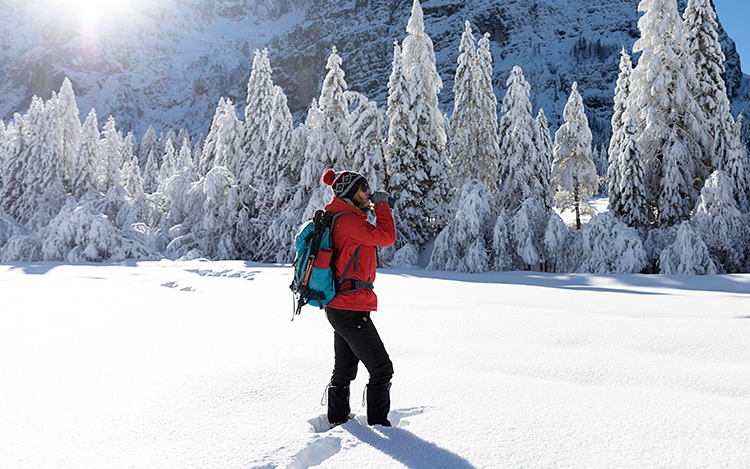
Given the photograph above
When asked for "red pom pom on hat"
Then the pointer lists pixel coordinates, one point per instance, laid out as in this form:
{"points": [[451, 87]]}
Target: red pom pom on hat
{"points": [[329, 177]]}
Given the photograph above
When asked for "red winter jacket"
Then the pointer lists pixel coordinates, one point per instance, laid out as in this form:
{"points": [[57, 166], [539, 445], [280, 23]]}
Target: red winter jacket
{"points": [[349, 231]]}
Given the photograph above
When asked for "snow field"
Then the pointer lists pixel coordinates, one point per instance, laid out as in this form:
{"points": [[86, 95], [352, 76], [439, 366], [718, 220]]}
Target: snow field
{"points": [[195, 364]]}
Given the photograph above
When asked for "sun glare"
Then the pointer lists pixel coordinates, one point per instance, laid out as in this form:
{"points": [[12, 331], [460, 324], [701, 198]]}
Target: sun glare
{"points": [[87, 11], [91, 15]]}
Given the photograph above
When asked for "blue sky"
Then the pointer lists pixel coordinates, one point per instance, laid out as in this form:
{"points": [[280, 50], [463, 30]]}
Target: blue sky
{"points": [[735, 17]]}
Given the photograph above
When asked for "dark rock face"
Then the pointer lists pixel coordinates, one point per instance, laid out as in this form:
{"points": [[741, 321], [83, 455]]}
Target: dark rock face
{"points": [[169, 64]]}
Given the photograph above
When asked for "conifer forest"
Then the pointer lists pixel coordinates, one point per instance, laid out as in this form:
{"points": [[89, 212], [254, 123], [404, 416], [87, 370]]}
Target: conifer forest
{"points": [[480, 188]]}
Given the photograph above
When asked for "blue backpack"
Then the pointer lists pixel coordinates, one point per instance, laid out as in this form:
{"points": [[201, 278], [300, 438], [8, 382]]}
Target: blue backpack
{"points": [[314, 281]]}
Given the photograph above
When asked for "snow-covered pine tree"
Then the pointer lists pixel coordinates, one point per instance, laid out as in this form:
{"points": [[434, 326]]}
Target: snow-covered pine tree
{"points": [[464, 121], [168, 163], [622, 94], [110, 152], [488, 142], [503, 250], [3, 143], [279, 174], [131, 177], [745, 132], [25, 163], [721, 225], [211, 145], [130, 149], [333, 105], [736, 167], [184, 157], [632, 192], [688, 255], [400, 136], [573, 172], [267, 174], [657, 240], [39, 185], [555, 240], [149, 142], [545, 152], [86, 171], [474, 143], [229, 148], [188, 237], [676, 181], [170, 135], [400, 179], [464, 244], [279, 151], [4, 148], [421, 181], [198, 150], [289, 198], [220, 219], [133, 180], [317, 157], [528, 229], [711, 92], [50, 182], [611, 247], [518, 153], [151, 173], [260, 95], [274, 171], [11, 177], [175, 190], [182, 135], [365, 138], [671, 118], [70, 126]]}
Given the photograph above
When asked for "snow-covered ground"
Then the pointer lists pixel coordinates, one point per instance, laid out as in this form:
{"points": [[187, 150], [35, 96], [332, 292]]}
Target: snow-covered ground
{"points": [[196, 364]]}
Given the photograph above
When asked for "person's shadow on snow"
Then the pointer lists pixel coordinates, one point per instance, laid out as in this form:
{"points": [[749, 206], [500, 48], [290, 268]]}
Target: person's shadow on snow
{"points": [[407, 448]]}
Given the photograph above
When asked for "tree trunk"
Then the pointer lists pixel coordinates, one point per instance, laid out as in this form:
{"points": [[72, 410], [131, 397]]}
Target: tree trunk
{"points": [[576, 202]]}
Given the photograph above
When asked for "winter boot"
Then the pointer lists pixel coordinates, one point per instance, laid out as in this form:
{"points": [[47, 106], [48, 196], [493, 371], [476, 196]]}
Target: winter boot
{"points": [[338, 404], [378, 404]]}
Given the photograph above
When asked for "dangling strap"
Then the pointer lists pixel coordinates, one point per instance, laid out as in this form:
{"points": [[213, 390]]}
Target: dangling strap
{"points": [[324, 399]]}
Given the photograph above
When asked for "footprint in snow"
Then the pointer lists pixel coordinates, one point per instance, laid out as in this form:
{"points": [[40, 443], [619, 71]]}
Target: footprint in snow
{"points": [[397, 417], [228, 273], [315, 452], [175, 285]]}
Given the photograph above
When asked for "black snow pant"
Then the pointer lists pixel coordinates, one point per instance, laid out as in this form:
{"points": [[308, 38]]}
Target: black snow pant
{"points": [[355, 340]]}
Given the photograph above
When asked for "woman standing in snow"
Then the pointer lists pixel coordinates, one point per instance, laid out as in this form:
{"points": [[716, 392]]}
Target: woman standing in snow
{"points": [[355, 337]]}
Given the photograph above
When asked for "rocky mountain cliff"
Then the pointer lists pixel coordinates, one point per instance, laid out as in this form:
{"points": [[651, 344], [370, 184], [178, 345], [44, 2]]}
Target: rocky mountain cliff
{"points": [[167, 63]]}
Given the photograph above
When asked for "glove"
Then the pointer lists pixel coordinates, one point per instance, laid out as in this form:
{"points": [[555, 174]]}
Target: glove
{"points": [[379, 196]]}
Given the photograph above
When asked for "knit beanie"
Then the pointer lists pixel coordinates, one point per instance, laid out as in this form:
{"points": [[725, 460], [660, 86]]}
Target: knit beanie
{"points": [[344, 184]]}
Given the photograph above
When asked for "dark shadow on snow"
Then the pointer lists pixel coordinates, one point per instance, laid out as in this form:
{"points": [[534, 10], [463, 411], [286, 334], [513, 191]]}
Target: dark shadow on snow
{"points": [[408, 449], [42, 268], [732, 283]]}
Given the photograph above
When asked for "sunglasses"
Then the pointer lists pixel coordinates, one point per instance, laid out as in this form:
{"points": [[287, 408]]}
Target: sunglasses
{"points": [[365, 187]]}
